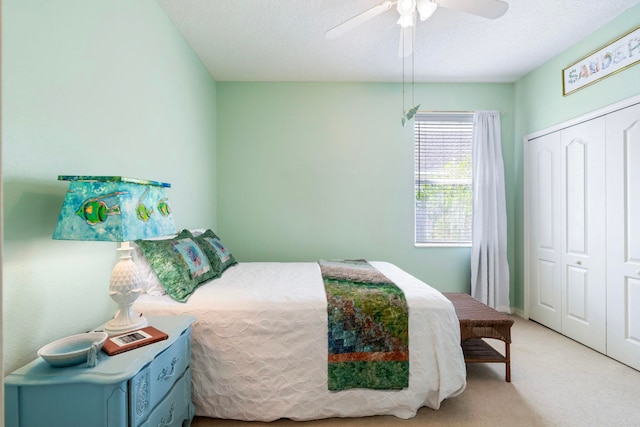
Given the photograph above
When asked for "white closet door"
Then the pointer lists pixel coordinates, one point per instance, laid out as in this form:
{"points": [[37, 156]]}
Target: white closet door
{"points": [[542, 200], [583, 233], [623, 235]]}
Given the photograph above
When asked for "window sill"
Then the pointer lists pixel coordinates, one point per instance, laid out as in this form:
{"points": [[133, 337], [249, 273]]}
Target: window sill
{"points": [[442, 245]]}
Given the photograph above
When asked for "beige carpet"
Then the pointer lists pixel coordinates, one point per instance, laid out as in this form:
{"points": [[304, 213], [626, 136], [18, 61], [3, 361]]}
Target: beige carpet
{"points": [[554, 382]]}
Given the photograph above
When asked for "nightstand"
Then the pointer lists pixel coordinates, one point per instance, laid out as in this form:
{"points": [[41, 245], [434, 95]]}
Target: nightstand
{"points": [[148, 386]]}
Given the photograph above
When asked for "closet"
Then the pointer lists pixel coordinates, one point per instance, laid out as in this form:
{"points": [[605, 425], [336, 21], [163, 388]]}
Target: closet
{"points": [[582, 230]]}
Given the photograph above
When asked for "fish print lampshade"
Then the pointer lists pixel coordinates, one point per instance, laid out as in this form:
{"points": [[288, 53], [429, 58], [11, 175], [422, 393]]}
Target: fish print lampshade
{"points": [[118, 209], [113, 208]]}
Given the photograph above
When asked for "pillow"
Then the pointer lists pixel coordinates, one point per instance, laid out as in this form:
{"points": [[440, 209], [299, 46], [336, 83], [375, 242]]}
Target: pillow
{"points": [[197, 231], [148, 279], [219, 256], [179, 264]]}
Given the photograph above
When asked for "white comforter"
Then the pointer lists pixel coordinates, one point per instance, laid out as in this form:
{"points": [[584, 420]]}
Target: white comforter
{"points": [[260, 346]]}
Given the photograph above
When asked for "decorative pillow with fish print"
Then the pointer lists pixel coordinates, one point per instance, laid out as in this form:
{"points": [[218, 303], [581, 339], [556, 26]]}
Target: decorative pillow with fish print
{"points": [[219, 256], [180, 264]]}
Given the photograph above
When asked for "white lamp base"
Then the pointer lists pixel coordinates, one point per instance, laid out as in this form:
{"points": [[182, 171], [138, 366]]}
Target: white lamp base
{"points": [[117, 325], [124, 289]]}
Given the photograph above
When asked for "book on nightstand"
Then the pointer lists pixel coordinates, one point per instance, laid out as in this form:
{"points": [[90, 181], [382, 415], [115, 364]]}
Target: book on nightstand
{"points": [[133, 339]]}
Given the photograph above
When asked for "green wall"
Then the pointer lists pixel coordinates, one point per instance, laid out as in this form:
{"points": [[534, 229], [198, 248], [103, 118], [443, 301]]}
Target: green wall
{"points": [[283, 171], [96, 88], [540, 104], [313, 170], [325, 170]]}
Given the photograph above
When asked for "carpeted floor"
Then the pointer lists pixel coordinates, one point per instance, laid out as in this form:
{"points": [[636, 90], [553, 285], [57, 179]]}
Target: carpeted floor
{"points": [[554, 382]]}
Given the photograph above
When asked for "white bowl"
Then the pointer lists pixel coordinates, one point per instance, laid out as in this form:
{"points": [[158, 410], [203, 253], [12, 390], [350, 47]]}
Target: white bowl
{"points": [[71, 350]]}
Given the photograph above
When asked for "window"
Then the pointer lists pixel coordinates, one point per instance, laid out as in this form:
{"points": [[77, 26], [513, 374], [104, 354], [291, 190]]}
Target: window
{"points": [[443, 178]]}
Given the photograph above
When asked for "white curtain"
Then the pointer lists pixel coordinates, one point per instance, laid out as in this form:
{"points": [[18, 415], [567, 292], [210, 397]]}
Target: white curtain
{"points": [[489, 264]]}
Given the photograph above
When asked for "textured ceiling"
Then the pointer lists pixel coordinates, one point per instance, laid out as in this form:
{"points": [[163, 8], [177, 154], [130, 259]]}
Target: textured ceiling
{"points": [[283, 40]]}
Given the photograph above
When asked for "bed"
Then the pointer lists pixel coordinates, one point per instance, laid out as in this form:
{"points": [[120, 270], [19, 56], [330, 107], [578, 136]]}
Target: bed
{"points": [[259, 346]]}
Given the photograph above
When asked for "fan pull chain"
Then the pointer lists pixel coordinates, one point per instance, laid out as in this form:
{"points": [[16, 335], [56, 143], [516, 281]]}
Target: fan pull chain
{"points": [[412, 79], [407, 115], [403, 104]]}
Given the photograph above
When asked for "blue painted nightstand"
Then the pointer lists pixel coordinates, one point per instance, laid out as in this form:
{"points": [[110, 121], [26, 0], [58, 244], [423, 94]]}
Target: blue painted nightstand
{"points": [[148, 386]]}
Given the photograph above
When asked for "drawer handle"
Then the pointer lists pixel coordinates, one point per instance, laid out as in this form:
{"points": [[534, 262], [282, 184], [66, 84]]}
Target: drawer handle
{"points": [[168, 371], [163, 422]]}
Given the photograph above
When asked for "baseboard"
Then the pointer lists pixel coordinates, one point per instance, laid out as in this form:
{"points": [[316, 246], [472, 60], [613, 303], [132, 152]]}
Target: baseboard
{"points": [[518, 312]]}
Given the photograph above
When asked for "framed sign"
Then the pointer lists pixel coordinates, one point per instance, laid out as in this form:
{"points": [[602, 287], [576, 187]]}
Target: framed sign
{"points": [[616, 56]]}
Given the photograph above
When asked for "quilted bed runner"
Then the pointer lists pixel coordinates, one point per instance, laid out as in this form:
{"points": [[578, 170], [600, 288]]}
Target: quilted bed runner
{"points": [[368, 327]]}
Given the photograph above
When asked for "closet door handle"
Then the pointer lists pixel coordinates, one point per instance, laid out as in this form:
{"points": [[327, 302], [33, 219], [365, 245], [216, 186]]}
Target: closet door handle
{"points": [[579, 262]]}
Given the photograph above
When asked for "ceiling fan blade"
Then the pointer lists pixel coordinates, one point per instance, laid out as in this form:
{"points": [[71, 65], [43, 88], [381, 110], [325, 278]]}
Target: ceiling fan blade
{"points": [[349, 24], [407, 37], [491, 9], [426, 8]]}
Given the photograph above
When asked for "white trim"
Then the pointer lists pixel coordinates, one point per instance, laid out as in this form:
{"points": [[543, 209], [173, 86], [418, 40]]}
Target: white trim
{"points": [[525, 223], [585, 117]]}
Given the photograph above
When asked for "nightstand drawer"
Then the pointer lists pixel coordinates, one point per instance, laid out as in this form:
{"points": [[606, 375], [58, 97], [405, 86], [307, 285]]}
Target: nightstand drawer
{"points": [[153, 382], [175, 407]]}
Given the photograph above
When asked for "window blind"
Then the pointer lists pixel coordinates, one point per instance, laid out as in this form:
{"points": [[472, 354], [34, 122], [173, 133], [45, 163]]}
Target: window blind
{"points": [[443, 178]]}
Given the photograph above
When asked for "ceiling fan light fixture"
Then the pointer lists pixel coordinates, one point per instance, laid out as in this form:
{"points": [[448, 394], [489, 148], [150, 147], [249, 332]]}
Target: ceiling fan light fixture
{"points": [[426, 8], [405, 21], [490, 9], [406, 9]]}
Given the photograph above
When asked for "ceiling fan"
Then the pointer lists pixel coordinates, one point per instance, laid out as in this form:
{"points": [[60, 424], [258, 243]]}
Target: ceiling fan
{"points": [[410, 9]]}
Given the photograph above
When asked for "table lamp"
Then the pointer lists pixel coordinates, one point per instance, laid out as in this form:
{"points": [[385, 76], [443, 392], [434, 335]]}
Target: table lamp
{"points": [[116, 209]]}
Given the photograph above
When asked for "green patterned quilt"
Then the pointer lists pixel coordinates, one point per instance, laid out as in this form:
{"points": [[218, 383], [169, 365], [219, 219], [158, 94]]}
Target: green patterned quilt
{"points": [[368, 327]]}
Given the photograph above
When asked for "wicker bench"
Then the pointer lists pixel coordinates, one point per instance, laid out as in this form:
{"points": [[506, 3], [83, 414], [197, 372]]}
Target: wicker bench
{"points": [[478, 321]]}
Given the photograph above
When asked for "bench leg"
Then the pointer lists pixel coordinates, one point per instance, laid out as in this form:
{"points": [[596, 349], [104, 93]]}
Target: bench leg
{"points": [[507, 362]]}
